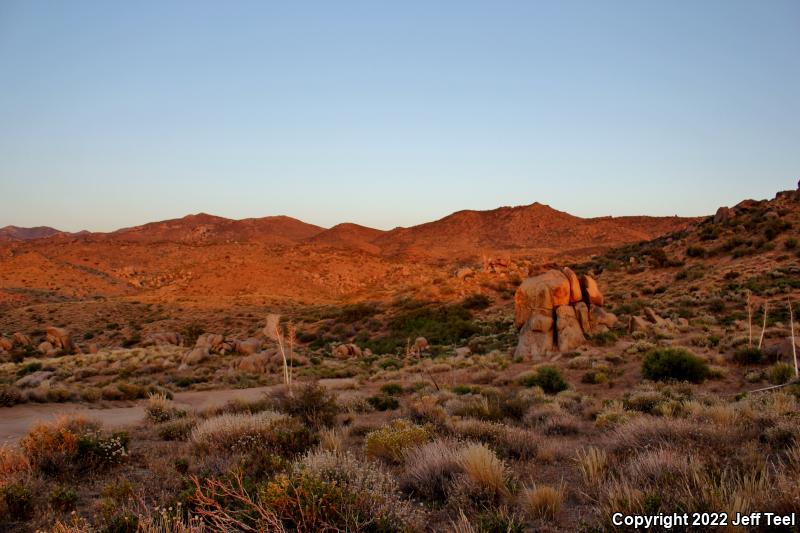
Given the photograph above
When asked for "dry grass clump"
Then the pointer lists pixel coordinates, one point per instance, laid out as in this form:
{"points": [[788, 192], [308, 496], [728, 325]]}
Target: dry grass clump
{"points": [[593, 464], [332, 440], [160, 408], [391, 442], [612, 415], [51, 446], [485, 474], [511, 441], [430, 469], [542, 501], [225, 431]]}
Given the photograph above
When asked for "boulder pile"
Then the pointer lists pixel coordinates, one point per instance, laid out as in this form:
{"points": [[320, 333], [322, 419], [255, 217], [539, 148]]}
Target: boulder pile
{"points": [[555, 309]]}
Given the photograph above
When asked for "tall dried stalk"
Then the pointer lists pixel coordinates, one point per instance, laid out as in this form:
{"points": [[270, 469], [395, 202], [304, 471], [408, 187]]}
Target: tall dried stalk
{"points": [[274, 331], [794, 347], [764, 326], [749, 321], [237, 517]]}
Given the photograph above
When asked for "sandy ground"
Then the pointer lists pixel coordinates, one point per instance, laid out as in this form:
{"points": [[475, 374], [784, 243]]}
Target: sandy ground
{"points": [[16, 421]]}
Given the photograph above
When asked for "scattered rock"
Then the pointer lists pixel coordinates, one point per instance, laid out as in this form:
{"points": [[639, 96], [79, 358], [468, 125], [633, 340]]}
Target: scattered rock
{"points": [[60, 339], [5, 344], [248, 346], [463, 351], [46, 348], [93, 348], [196, 355], [601, 320], [164, 338], [637, 323], [21, 339], [214, 342], [254, 364], [346, 351], [420, 345]]}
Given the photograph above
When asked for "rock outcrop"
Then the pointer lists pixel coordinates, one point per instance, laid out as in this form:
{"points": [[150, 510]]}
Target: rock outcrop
{"points": [[164, 338], [554, 310], [60, 339], [346, 351]]}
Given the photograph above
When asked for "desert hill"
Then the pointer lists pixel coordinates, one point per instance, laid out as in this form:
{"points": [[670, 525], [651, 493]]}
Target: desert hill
{"points": [[15, 233], [217, 261]]}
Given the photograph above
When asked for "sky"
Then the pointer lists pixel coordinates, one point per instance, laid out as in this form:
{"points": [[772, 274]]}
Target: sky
{"points": [[389, 114]]}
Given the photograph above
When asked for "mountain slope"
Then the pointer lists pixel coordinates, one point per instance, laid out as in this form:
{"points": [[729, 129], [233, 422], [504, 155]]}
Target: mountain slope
{"points": [[15, 233]]}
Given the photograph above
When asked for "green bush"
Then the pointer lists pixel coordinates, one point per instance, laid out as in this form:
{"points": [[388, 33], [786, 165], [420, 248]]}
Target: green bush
{"points": [[19, 502], [748, 356], [696, 251], [392, 389], [603, 338], [548, 378], [312, 404], [63, 498], [383, 402], [674, 363], [476, 301], [780, 373]]}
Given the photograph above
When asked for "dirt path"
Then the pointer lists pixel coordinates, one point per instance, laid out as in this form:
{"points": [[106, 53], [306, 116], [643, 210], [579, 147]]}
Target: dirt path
{"points": [[16, 421]]}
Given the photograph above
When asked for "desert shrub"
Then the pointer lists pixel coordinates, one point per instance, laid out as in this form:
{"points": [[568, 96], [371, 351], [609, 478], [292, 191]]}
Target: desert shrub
{"points": [[542, 501], [383, 402], [52, 447], [312, 404], [430, 469], [780, 373], [603, 338], [509, 441], [391, 442], [12, 463], [790, 244], [330, 491], [63, 498], [696, 251], [225, 431], [29, 368], [160, 409], [97, 451], [548, 378], [748, 356], [178, 429], [10, 395], [440, 325], [499, 520], [674, 363], [476, 301], [18, 501], [426, 409], [392, 389], [595, 376]]}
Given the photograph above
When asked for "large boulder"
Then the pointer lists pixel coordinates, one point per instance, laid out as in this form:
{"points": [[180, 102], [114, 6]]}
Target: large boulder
{"points": [[196, 355], [420, 345], [248, 346], [637, 323], [591, 291], [569, 333], [582, 312], [254, 364], [213, 341], [46, 348], [722, 215], [575, 293], [780, 349], [60, 339], [5, 344], [346, 351], [20, 339], [600, 319], [164, 338], [536, 336], [543, 292]]}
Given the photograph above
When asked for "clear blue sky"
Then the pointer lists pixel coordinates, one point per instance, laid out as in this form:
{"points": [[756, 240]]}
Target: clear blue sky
{"points": [[392, 113]]}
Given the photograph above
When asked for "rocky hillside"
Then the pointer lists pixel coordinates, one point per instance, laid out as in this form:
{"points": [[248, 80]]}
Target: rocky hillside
{"points": [[15, 233]]}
